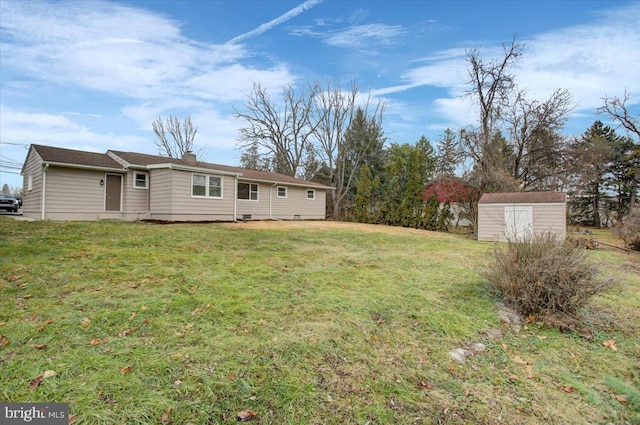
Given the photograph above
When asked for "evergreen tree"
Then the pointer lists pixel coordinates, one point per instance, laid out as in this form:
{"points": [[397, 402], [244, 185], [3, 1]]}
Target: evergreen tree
{"points": [[592, 157], [447, 158], [364, 197]]}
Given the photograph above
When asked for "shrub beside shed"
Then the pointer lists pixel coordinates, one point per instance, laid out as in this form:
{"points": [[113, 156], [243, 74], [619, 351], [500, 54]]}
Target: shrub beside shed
{"points": [[521, 215]]}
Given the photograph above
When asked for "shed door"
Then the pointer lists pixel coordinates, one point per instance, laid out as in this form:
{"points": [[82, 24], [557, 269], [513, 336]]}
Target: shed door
{"points": [[113, 192], [518, 223]]}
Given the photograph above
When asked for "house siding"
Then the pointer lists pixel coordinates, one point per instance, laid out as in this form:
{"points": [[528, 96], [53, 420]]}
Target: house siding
{"points": [[296, 205], [32, 199], [171, 198], [75, 186], [545, 218], [135, 200]]}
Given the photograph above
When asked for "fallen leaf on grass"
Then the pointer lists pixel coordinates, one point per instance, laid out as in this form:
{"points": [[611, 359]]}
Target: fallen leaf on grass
{"points": [[542, 337], [621, 399], [611, 344], [232, 376], [125, 370], [3, 340], [165, 416], [95, 341], [26, 297], [15, 277], [72, 419], [245, 416], [568, 389], [426, 385], [49, 374], [48, 321], [126, 332], [40, 346], [85, 322], [33, 317], [35, 382]]}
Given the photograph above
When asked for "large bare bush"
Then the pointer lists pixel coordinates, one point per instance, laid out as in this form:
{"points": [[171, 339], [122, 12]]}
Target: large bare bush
{"points": [[546, 277], [629, 229]]}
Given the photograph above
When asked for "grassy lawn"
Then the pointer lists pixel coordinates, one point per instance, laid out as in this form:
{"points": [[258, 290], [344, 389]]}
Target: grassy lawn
{"points": [[295, 323]]}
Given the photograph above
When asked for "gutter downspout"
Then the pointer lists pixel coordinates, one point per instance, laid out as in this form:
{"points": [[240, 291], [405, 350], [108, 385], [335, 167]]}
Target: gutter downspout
{"points": [[44, 188], [235, 199], [270, 200]]}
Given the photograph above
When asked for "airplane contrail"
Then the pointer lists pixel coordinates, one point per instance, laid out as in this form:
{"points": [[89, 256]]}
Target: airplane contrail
{"points": [[277, 21]]}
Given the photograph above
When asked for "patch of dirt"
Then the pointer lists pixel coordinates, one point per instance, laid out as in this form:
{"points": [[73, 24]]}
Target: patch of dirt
{"points": [[333, 225]]}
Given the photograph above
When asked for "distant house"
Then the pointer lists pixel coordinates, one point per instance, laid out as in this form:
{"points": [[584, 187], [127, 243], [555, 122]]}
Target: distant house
{"points": [[454, 191], [521, 215], [65, 184]]}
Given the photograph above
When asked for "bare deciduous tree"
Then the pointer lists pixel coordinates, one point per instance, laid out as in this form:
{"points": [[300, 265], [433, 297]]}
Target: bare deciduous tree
{"points": [[491, 86], [281, 132], [175, 137], [617, 109], [534, 135], [346, 132]]}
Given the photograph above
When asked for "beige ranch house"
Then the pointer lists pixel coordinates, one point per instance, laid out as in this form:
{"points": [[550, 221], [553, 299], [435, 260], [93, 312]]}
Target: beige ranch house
{"points": [[65, 184], [519, 216]]}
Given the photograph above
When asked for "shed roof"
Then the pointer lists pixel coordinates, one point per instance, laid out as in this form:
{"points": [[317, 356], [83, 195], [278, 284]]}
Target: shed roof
{"points": [[523, 198]]}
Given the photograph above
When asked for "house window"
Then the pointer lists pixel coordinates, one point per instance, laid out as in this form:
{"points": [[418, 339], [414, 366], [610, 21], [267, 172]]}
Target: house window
{"points": [[206, 186], [311, 194], [248, 191], [141, 180], [30, 181], [282, 192]]}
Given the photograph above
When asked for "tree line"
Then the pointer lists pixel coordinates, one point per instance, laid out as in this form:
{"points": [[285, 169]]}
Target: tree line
{"points": [[335, 136]]}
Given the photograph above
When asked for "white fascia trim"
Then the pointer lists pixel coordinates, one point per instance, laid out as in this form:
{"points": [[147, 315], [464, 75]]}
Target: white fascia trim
{"points": [[525, 204], [178, 167], [281, 183], [85, 167]]}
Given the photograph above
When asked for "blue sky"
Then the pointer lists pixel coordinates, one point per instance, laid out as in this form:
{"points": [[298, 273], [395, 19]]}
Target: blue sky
{"points": [[93, 75]]}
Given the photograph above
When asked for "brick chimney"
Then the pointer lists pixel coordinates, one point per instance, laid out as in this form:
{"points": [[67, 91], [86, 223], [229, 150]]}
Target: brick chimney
{"points": [[189, 157]]}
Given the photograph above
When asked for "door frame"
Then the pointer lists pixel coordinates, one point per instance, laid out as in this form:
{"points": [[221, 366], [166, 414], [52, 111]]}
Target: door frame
{"points": [[106, 186], [518, 230]]}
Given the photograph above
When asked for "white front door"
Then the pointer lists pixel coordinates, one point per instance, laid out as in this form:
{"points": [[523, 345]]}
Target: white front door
{"points": [[518, 223]]}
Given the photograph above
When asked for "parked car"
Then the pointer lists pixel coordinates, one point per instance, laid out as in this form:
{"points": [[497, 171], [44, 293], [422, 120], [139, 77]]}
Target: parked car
{"points": [[8, 202]]}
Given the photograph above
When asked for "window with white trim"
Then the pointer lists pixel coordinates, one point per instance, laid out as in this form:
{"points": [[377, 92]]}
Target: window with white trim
{"points": [[282, 192], [311, 194], [248, 191], [140, 180], [203, 186]]}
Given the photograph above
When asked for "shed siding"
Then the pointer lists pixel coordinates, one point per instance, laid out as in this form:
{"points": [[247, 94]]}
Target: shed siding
{"points": [[32, 199], [546, 218]]}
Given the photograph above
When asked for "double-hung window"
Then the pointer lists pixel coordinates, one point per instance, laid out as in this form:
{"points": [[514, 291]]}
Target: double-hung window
{"points": [[140, 180], [248, 191], [203, 186], [311, 194], [282, 192]]}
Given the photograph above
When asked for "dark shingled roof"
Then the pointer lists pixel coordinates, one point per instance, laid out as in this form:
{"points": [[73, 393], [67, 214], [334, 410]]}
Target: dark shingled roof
{"points": [[142, 159], [74, 157], [523, 198], [91, 159]]}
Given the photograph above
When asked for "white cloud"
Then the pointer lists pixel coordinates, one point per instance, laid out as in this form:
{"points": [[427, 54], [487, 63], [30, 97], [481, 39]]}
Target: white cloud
{"points": [[106, 47], [277, 21], [590, 60], [58, 130], [366, 36]]}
